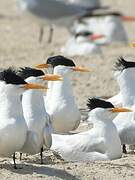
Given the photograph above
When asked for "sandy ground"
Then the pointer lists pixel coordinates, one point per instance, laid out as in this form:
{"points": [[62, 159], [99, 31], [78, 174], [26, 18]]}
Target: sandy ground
{"points": [[19, 47]]}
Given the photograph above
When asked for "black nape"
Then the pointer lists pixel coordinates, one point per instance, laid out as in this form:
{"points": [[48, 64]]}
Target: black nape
{"points": [[27, 72], [122, 64], [98, 103], [10, 77], [60, 60]]}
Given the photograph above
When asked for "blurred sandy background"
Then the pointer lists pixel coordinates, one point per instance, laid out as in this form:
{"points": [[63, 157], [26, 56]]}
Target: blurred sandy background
{"points": [[19, 47]]}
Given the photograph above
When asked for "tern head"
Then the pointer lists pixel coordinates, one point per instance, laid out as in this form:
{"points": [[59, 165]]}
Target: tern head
{"points": [[88, 36], [103, 110], [54, 61], [37, 76], [124, 69], [11, 83], [62, 64]]}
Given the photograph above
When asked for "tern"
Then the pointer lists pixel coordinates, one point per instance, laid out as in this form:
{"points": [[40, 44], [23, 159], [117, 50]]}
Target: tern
{"points": [[125, 73], [102, 142], [13, 127], [82, 43], [36, 117], [60, 102]]}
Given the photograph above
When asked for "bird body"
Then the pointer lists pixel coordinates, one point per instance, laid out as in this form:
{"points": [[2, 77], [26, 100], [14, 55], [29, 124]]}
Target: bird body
{"points": [[80, 46], [102, 142], [52, 11], [62, 107], [125, 122], [86, 3], [110, 26], [37, 120], [13, 128]]}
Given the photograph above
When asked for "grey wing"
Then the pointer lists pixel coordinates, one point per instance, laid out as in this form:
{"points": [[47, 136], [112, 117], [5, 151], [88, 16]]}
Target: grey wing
{"points": [[52, 9]]}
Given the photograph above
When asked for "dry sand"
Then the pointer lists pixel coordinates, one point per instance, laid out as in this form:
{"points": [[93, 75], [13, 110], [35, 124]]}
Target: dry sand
{"points": [[19, 47]]}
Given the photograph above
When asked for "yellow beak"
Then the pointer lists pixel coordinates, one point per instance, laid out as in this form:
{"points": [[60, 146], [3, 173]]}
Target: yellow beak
{"points": [[34, 86], [41, 66], [120, 109], [81, 69], [52, 77]]}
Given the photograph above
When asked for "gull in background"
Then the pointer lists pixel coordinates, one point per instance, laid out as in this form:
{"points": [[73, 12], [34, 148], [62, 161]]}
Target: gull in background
{"points": [[82, 43], [54, 12]]}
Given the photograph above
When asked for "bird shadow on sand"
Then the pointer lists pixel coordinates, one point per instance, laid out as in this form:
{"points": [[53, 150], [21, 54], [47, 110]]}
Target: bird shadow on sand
{"points": [[28, 169]]}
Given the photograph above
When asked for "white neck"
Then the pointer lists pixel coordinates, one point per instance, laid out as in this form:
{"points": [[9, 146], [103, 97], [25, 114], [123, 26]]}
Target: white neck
{"points": [[10, 105], [126, 83]]}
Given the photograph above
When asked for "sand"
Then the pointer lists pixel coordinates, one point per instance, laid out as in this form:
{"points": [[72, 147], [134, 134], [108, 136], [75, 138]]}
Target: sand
{"points": [[19, 47]]}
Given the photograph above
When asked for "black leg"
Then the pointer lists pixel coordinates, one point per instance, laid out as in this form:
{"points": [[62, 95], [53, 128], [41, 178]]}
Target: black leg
{"points": [[41, 34], [14, 161], [50, 34], [41, 155], [20, 156], [124, 149]]}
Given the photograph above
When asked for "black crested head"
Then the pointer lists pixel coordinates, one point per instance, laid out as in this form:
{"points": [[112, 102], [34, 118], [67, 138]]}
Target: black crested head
{"points": [[60, 60], [83, 33], [27, 72], [98, 103], [122, 64], [10, 77]]}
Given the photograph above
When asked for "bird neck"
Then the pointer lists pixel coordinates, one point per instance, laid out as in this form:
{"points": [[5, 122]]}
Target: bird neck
{"points": [[33, 104], [62, 88], [10, 105], [99, 121], [127, 90]]}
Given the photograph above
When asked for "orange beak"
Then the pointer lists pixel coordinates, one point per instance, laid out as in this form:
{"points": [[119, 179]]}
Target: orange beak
{"points": [[133, 45], [128, 18], [81, 69], [96, 36], [41, 66], [34, 86], [121, 109], [52, 77]]}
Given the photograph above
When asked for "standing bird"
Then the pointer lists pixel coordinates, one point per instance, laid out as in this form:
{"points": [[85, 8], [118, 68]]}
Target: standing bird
{"points": [[13, 128], [102, 142], [126, 123], [51, 11], [36, 117], [60, 102], [54, 12]]}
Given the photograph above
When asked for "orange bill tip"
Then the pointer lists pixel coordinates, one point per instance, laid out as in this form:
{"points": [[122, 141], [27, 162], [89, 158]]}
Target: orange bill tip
{"points": [[34, 86], [81, 69], [120, 109], [52, 77]]}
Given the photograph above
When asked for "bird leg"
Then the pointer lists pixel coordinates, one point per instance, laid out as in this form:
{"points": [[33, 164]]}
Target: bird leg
{"points": [[14, 161], [50, 34], [20, 156], [41, 34], [124, 149], [41, 155]]}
